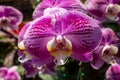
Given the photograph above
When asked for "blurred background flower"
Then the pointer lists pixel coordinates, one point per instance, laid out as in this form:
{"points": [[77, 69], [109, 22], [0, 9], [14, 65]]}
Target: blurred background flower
{"points": [[9, 74]]}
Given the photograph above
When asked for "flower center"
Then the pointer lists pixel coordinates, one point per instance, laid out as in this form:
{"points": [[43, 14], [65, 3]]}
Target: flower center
{"points": [[61, 48], [4, 21], [112, 12]]}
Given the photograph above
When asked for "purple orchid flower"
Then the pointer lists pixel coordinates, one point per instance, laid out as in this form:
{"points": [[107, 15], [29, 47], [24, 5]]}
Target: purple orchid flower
{"points": [[10, 17], [9, 74], [104, 9], [57, 7], [107, 51], [113, 72], [71, 35]]}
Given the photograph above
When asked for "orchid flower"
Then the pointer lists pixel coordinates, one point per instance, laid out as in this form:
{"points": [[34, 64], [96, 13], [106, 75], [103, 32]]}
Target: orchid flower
{"points": [[104, 9], [113, 72], [107, 51], [73, 34], [9, 74], [10, 17], [57, 7]]}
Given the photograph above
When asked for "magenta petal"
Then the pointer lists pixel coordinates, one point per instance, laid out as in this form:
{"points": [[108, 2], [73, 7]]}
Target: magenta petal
{"points": [[97, 62], [66, 4], [3, 72], [88, 57], [108, 36], [36, 39], [50, 68], [23, 31], [116, 1], [13, 14], [97, 8], [82, 31], [13, 74], [30, 68], [113, 72]]}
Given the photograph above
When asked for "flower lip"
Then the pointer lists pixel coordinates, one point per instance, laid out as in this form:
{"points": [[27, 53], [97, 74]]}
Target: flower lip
{"points": [[108, 53], [61, 48], [59, 44], [4, 21], [112, 12]]}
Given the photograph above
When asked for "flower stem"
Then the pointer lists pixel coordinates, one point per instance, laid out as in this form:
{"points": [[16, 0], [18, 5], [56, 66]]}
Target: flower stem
{"points": [[79, 76]]}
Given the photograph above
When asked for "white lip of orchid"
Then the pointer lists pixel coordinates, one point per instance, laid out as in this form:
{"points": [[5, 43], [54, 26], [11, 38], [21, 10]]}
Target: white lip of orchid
{"points": [[108, 57], [21, 45], [61, 59], [112, 12], [61, 48]]}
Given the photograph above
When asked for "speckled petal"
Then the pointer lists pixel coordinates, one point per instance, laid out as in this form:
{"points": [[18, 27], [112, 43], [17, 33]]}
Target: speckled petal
{"points": [[23, 31], [66, 4], [36, 38], [84, 34]]}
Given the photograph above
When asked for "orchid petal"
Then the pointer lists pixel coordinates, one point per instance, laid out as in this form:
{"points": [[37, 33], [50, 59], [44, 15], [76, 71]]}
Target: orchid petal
{"points": [[30, 68], [79, 29], [3, 72], [14, 15], [88, 57], [113, 72], [97, 8], [66, 4], [108, 36], [50, 68], [23, 31], [97, 62], [116, 1], [36, 38]]}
